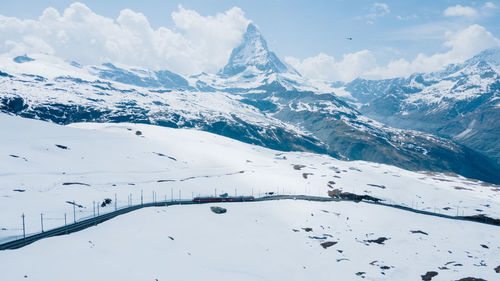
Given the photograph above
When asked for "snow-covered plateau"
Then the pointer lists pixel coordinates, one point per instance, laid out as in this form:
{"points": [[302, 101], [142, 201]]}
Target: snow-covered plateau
{"points": [[44, 166]]}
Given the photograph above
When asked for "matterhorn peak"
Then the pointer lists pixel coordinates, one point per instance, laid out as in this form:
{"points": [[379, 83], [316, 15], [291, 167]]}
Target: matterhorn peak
{"points": [[253, 52]]}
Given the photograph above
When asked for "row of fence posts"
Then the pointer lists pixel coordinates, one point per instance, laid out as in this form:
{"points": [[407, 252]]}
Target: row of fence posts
{"points": [[154, 200], [96, 208], [129, 204]]}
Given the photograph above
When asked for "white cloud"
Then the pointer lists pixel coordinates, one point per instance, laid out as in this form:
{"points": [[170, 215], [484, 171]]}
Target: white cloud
{"points": [[460, 11], [408, 17], [325, 67], [489, 5], [198, 43], [377, 10], [461, 45]]}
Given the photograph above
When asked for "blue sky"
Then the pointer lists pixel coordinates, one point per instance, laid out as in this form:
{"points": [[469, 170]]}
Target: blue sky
{"points": [[389, 30]]}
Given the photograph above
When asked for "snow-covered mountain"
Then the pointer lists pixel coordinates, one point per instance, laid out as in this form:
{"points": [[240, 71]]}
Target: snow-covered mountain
{"points": [[462, 102], [253, 55], [255, 98]]}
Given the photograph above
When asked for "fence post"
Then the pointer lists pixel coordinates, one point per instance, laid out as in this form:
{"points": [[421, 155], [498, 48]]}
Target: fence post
{"points": [[215, 193], [172, 194], [142, 197], [24, 228], [235, 192], [115, 203], [153, 196], [74, 211], [41, 220], [180, 195], [93, 207], [97, 209]]}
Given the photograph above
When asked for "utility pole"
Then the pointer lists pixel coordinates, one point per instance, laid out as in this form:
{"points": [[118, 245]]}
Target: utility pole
{"points": [[74, 211], [24, 227]]}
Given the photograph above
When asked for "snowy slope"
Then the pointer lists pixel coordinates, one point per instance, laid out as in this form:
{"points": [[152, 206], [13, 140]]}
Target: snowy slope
{"points": [[107, 159], [263, 241]]}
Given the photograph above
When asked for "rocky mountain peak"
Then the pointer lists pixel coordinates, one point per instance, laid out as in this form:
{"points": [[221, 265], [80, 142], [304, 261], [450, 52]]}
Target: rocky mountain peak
{"points": [[253, 52]]}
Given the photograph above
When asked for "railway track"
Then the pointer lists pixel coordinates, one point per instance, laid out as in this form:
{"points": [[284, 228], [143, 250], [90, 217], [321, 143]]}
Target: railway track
{"points": [[89, 222]]}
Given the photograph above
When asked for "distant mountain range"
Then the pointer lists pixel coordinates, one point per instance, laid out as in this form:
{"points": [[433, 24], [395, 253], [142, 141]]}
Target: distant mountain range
{"points": [[258, 98], [462, 102]]}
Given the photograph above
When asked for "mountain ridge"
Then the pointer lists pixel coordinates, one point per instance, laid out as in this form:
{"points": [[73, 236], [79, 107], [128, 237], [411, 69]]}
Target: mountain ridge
{"points": [[276, 109], [460, 102]]}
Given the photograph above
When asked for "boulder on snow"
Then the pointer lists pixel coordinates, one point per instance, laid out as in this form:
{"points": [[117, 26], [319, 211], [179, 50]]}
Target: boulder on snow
{"points": [[218, 210]]}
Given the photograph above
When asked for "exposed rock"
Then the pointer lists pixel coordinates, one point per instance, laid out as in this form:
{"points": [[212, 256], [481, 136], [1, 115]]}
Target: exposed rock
{"points": [[334, 193], [376, 185], [305, 175], [328, 244], [73, 203], [337, 193], [75, 183], [428, 276], [105, 202], [419, 231], [379, 240], [385, 267], [317, 237], [298, 167], [165, 180], [218, 210]]}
